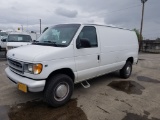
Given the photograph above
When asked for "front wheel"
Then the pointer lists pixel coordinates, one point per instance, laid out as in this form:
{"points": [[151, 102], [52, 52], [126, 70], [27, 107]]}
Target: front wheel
{"points": [[126, 71], [58, 90]]}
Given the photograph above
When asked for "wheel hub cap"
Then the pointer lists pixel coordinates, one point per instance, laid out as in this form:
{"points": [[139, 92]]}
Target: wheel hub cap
{"points": [[61, 91], [128, 70]]}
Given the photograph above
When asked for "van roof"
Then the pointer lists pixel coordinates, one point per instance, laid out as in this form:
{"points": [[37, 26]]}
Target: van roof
{"points": [[97, 25], [108, 26]]}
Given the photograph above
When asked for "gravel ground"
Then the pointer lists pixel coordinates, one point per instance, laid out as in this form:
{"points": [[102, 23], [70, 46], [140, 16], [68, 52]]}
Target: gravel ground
{"points": [[108, 98]]}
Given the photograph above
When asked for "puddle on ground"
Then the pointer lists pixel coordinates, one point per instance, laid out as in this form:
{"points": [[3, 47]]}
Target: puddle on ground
{"points": [[129, 87], [38, 110], [147, 79], [132, 116]]}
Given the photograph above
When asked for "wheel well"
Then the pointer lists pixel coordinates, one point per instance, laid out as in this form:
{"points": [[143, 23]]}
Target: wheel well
{"points": [[130, 59], [66, 71]]}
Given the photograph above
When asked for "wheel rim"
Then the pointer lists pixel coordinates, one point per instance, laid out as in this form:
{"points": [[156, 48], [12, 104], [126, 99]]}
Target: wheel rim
{"points": [[61, 91], [128, 70]]}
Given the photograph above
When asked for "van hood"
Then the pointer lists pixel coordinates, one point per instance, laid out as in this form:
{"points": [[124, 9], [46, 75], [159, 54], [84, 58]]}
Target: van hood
{"points": [[38, 53]]}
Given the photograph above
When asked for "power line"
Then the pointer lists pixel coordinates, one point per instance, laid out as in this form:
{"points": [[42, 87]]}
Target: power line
{"points": [[122, 9], [137, 5]]}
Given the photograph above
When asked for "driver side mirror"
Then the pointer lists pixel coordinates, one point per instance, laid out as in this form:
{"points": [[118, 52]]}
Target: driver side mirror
{"points": [[83, 43], [4, 40], [34, 41]]}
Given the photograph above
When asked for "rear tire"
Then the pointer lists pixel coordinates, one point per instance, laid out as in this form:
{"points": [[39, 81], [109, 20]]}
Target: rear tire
{"points": [[58, 90], [126, 71]]}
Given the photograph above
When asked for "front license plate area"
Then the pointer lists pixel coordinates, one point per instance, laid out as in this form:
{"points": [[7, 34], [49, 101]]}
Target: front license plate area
{"points": [[22, 87]]}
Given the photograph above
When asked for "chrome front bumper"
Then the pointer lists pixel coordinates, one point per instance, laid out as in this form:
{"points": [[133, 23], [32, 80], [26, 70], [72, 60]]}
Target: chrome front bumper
{"points": [[33, 85]]}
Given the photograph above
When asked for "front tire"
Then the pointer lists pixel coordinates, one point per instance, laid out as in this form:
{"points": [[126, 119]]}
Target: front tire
{"points": [[58, 90], [126, 71]]}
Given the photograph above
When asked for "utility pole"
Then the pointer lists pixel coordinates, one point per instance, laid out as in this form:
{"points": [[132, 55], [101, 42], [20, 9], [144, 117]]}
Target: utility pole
{"points": [[22, 28], [27, 23], [40, 25], [141, 29]]}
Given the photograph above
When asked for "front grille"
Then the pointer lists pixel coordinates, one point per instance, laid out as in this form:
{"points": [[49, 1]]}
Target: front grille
{"points": [[16, 66]]}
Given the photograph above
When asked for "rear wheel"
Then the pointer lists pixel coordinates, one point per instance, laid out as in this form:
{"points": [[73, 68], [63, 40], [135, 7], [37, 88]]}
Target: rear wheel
{"points": [[126, 71], [58, 90]]}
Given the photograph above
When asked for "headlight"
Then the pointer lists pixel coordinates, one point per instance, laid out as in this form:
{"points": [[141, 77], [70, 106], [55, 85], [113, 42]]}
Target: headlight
{"points": [[33, 68]]}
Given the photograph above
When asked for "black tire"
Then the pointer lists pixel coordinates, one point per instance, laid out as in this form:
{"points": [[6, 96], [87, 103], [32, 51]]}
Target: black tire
{"points": [[126, 71], [62, 83]]}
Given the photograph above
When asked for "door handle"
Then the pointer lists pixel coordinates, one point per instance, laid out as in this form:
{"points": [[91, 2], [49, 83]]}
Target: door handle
{"points": [[98, 57]]}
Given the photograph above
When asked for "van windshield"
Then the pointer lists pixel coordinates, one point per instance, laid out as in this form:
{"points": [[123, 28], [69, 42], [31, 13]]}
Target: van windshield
{"points": [[19, 38], [59, 35]]}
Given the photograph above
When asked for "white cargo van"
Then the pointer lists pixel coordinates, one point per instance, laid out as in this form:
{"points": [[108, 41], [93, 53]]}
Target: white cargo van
{"points": [[67, 54], [17, 39]]}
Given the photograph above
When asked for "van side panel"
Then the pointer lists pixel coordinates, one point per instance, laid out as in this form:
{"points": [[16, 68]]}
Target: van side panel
{"points": [[117, 45]]}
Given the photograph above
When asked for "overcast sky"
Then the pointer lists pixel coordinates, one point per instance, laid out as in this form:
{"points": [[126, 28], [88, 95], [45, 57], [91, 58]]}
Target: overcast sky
{"points": [[122, 13]]}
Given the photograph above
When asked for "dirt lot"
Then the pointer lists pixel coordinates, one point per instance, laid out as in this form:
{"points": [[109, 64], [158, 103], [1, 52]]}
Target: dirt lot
{"points": [[108, 98]]}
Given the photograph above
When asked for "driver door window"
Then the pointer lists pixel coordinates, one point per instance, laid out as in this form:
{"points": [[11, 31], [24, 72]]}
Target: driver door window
{"points": [[87, 38]]}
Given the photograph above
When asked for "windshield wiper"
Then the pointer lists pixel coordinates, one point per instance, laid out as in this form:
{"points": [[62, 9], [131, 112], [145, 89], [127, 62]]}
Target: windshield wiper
{"points": [[50, 42]]}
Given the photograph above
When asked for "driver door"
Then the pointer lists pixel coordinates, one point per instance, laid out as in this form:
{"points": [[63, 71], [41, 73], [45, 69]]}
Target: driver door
{"points": [[87, 57]]}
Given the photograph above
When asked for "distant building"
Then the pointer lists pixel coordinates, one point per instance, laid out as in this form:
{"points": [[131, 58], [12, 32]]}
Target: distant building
{"points": [[151, 46]]}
